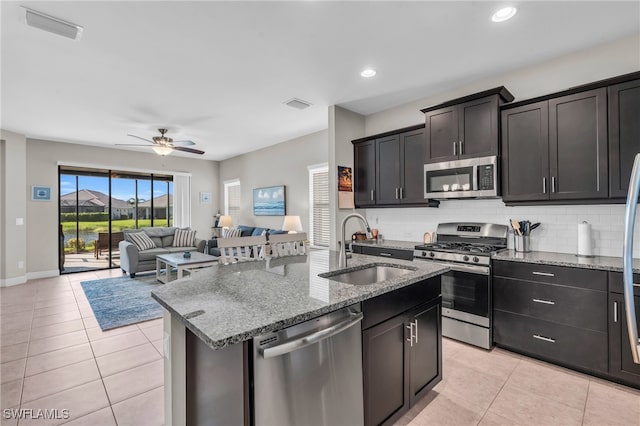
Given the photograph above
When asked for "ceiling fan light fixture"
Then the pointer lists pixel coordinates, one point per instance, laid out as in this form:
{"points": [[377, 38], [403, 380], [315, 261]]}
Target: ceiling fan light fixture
{"points": [[162, 150]]}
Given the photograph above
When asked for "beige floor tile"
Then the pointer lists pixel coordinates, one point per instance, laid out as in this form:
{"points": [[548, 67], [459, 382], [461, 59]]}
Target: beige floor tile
{"points": [[117, 343], [495, 363], [159, 345], [17, 308], [152, 323], [543, 381], [96, 333], [102, 417], [491, 419], [90, 322], [126, 359], [60, 379], [13, 338], [15, 327], [528, 409], [49, 303], [80, 401], [12, 370], [10, 393], [87, 313], [447, 410], [129, 383], [609, 405], [60, 358], [463, 383], [57, 329], [57, 309], [55, 295], [141, 410], [153, 333], [53, 343], [56, 318], [13, 352]]}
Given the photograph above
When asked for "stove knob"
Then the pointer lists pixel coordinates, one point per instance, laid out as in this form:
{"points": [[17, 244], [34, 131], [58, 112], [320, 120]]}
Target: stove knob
{"points": [[465, 258], [475, 259], [424, 254], [432, 254]]}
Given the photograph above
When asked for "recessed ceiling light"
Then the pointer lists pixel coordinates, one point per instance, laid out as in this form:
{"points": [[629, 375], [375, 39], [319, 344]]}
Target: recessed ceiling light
{"points": [[367, 73], [504, 14]]}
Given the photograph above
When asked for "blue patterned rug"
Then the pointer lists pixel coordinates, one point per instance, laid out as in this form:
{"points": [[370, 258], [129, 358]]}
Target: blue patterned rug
{"points": [[121, 301]]}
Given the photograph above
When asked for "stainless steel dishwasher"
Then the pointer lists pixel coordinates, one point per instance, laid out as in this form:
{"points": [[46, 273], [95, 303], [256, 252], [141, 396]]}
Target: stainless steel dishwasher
{"points": [[311, 373]]}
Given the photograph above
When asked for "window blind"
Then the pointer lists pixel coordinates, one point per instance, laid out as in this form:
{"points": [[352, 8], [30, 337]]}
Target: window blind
{"points": [[319, 208], [232, 197]]}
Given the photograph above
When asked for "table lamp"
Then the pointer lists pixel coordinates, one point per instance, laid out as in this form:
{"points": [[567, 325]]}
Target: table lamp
{"points": [[225, 222], [292, 224]]}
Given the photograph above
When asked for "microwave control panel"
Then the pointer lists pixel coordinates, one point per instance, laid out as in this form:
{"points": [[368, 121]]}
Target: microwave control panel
{"points": [[486, 177]]}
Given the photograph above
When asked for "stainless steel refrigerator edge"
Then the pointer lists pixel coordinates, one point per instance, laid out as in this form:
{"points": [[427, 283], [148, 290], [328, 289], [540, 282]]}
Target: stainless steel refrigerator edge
{"points": [[311, 373], [627, 258]]}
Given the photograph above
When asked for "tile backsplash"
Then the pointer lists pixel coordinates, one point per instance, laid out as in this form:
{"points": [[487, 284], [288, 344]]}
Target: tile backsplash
{"points": [[558, 231]]}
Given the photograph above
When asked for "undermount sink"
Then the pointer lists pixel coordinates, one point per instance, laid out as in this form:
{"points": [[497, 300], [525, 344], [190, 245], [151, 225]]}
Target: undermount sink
{"points": [[372, 274]]}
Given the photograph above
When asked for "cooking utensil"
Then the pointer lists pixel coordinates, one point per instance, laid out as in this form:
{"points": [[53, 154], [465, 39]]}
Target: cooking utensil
{"points": [[516, 227], [534, 226]]}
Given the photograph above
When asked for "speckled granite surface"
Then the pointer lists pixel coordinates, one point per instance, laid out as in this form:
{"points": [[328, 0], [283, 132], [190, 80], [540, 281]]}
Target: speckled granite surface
{"points": [[605, 263], [389, 244], [224, 305]]}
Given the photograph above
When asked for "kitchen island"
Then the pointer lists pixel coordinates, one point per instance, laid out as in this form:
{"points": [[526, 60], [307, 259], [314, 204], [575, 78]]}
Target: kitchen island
{"points": [[211, 319]]}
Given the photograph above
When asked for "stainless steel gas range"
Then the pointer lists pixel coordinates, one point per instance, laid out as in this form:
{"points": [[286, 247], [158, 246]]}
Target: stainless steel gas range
{"points": [[466, 290]]}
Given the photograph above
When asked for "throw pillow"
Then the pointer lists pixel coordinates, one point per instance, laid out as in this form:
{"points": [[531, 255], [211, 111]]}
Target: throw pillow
{"points": [[231, 232], [141, 240], [184, 238]]}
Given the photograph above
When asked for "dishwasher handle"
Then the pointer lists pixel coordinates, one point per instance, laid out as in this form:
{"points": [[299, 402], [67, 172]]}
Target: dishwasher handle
{"points": [[311, 338]]}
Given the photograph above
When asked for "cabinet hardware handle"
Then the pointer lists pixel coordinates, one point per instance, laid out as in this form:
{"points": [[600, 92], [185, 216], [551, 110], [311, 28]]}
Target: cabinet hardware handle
{"points": [[546, 339], [410, 339], [401, 193], [553, 184], [396, 193], [385, 254], [455, 148], [372, 195], [546, 302], [544, 185], [544, 274], [416, 331], [615, 311], [461, 150]]}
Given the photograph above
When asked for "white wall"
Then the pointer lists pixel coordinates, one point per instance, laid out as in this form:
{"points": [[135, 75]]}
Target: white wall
{"points": [[559, 229], [42, 159], [282, 164]]}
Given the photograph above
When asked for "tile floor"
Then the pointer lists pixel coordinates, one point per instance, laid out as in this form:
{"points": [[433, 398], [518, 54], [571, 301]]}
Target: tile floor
{"points": [[54, 355]]}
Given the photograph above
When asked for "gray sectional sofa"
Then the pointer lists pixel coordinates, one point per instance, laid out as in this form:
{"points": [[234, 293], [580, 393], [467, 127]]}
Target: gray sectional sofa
{"points": [[133, 260]]}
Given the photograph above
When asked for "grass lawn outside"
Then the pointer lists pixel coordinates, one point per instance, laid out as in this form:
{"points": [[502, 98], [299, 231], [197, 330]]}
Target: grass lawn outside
{"points": [[116, 225]]}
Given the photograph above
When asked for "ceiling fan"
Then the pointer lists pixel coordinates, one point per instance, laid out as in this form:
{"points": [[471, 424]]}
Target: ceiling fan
{"points": [[164, 145]]}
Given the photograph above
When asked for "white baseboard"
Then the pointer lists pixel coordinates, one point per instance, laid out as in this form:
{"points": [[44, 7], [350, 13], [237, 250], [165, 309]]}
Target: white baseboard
{"points": [[8, 282]]}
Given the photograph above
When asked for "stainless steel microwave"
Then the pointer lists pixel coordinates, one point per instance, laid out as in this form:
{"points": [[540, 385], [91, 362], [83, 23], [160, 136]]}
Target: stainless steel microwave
{"points": [[470, 178]]}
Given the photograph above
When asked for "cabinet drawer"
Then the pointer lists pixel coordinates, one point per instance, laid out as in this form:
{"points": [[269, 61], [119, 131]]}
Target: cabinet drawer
{"points": [[385, 252], [571, 346], [574, 277], [572, 306], [616, 285]]}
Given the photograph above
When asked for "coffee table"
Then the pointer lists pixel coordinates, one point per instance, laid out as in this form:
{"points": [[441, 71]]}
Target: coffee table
{"points": [[181, 263]]}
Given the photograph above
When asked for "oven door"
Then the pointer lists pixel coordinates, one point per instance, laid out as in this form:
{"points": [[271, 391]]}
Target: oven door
{"points": [[466, 294]]}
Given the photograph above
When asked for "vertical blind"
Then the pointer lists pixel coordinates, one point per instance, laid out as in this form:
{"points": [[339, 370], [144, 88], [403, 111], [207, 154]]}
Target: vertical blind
{"points": [[319, 208], [232, 197]]}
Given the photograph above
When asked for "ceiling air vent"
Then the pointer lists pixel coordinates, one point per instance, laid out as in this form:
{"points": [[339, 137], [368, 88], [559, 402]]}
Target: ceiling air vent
{"points": [[53, 25], [297, 103]]}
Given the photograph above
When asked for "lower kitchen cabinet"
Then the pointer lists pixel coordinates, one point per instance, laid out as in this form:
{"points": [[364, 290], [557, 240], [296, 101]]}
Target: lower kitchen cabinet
{"points": [[621, 364], [402, 354]]}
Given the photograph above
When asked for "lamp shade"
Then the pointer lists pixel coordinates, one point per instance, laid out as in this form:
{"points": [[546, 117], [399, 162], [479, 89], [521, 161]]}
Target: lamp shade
{"points": [[292, 224], [162, 150], [225, 222]]}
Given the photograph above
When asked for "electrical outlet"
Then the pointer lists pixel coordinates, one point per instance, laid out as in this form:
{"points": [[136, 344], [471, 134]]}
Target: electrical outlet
{"points": [[20, 264], [19, 221]]}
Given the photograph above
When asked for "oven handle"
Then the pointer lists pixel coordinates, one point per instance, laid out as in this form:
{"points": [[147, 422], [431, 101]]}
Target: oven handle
{"points": [[473, 269]]}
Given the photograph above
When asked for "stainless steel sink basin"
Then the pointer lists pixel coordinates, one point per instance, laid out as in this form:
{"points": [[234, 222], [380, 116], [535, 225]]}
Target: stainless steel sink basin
{"points": [[370, 275]]}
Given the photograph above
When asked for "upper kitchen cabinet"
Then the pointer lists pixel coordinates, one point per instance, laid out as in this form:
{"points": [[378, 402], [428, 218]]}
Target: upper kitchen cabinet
{"points": [[465, 127], [624, 134], [364, 154]]}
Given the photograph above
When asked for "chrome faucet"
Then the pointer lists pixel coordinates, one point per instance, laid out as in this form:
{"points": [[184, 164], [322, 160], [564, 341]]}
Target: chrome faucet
{"points": [[342, 259]]}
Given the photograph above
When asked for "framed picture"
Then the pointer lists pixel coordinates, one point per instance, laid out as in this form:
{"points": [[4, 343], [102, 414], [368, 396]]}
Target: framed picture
{"points": [[41, 193], [269, 201], [205, 197]]}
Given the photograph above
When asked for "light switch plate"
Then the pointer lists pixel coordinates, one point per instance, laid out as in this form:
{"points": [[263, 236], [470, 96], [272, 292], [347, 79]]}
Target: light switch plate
{"points": [[19, 221]]}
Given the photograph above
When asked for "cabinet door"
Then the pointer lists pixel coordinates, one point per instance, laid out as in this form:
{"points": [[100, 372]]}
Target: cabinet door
{"points": [[426, 352], [621, 363], [478, 128], [578, 146], [441, 131], [525, 153], [624, 134], [364, 155], [412, 154], [388, 170], [386, 361]]}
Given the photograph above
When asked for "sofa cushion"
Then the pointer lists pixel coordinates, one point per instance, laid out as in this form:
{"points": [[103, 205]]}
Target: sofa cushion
{"points": [[159, 231], [184, 238], [141, 240], [258, 232], [150, 254], [277, 231], [167, 241], [245, 230], [232, 232]]}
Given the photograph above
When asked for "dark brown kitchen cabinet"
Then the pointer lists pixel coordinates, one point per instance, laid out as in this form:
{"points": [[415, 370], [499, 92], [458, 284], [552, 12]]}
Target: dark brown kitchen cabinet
{"points": [[441, 132], [388, 170], [578, 146], [364, 173], [402, 353], [624, 134], [621, 364], [525, 152], [412, 155]]}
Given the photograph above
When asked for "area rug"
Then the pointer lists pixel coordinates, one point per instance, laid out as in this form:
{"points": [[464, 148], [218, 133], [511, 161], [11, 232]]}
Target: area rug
{"points": [[121, 301]]}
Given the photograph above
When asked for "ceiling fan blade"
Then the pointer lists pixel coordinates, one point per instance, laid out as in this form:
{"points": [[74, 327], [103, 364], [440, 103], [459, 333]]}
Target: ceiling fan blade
{"points": [[190, 150], [132, 144], [183, 143], [138, 137]]}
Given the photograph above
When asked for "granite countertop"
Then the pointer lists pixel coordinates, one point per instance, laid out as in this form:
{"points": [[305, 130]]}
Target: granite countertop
{"points": [[606, 263], [228, 304], [388, 244]]}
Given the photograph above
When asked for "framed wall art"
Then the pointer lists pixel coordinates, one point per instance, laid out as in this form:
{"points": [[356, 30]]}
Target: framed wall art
{"points": [[269, 201], [41, 193]]}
